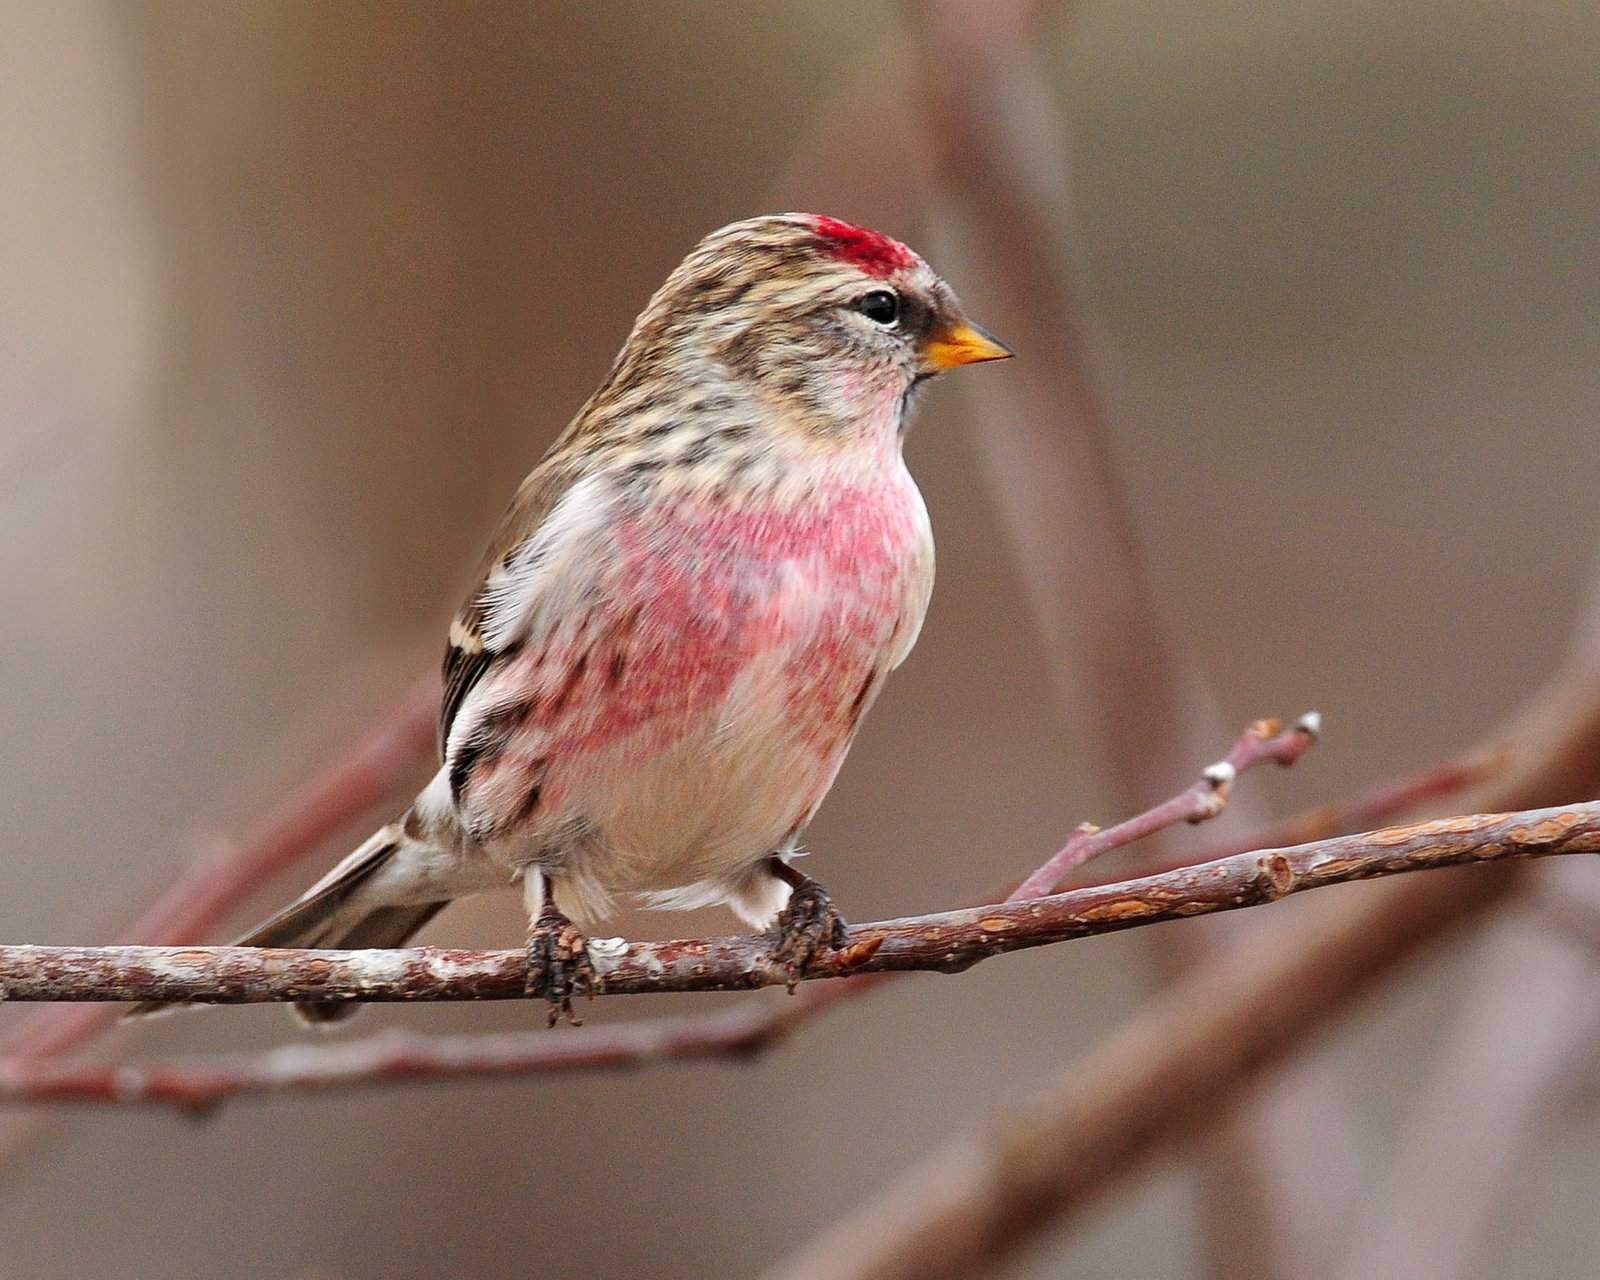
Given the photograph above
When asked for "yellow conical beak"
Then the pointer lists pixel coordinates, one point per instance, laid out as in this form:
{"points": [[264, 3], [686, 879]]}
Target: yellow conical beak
{"points": [[964, 343]]}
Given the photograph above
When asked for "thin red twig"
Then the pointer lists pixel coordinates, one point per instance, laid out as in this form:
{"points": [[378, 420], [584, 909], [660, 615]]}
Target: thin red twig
{"points": [[1202, 800], [1382, 804]]}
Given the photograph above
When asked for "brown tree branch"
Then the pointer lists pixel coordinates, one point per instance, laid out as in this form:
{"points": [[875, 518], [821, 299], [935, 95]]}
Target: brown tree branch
{"points": [[946, 942]]}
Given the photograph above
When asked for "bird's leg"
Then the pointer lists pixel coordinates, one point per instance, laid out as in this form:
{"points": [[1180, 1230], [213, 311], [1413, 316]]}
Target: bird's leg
{"points": [[558, 954], [808, 925]]}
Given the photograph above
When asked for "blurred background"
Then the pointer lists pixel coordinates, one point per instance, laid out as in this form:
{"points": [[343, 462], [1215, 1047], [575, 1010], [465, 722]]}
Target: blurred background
{"points": [[292, 296]]}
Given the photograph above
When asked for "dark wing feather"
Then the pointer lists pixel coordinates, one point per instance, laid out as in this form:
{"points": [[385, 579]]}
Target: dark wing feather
{"points": [[468, 655], [461, 671]]}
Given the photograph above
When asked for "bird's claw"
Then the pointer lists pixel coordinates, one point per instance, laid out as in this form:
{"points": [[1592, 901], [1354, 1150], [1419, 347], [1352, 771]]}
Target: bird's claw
{"points": [[808, 926], [559, 967]]}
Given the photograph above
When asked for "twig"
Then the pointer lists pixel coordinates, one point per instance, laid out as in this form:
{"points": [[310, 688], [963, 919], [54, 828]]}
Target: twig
{"points": [[945, 942], [1204, 799], [1384, 803]]}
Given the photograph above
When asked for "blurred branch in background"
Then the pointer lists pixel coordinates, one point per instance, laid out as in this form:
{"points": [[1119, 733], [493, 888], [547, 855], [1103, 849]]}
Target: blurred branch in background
{"points": [[1001, 214], [1003, 200], [1175, 1070], [226, 872], [1526, 1014]]}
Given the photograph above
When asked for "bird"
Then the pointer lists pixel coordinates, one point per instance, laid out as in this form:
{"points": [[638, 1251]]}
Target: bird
{"points": [[692, 601]]}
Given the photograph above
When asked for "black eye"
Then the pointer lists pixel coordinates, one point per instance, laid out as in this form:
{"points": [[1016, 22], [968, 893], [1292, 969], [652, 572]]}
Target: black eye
{"points": [[880, 306]]}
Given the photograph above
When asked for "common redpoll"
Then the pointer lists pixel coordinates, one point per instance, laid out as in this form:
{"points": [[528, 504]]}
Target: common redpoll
{"points": [[693, 600]]}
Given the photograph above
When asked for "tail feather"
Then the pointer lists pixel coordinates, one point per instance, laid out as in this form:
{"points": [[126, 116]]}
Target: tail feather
{"points": [[330, 915], [317, 917]]}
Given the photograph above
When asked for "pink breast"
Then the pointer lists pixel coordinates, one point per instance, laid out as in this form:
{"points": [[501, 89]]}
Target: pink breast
{"points": [[717, 588], [697, 596]]}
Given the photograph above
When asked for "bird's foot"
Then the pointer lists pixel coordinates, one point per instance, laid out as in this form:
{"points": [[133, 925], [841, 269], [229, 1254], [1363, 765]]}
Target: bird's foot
{"points": [[559, 967], [808, 926]]}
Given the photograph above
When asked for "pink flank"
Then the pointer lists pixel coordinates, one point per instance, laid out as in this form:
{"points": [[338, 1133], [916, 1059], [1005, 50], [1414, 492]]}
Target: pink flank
{"points": [[875, 253]]}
